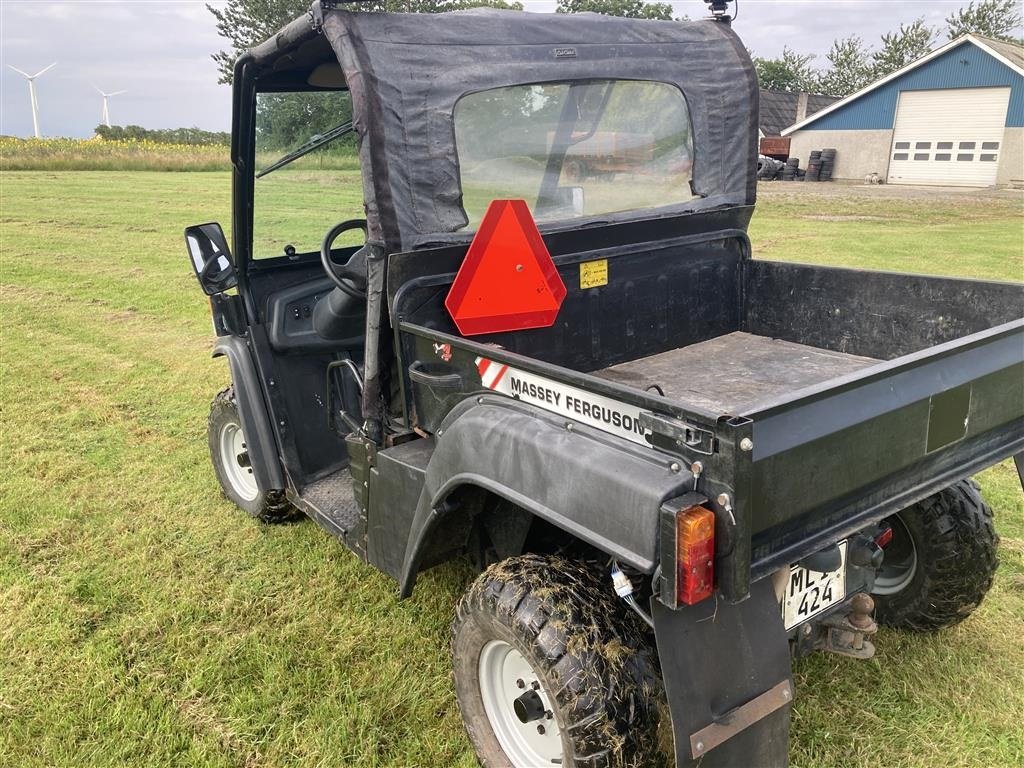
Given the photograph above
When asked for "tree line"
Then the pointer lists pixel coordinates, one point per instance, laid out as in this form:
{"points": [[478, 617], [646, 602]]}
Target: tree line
{"points": [[852, 64], [192, 136]]}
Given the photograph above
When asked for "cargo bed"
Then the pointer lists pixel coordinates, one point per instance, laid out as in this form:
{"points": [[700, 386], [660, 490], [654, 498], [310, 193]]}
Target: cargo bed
{"points": [[733, 373]]}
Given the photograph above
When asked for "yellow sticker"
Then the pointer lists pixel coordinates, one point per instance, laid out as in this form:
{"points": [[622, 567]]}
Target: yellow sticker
{"points": [[593, 274]]}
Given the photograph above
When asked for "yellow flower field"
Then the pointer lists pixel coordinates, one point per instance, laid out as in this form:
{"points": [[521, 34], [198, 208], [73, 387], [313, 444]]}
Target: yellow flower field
{"points": [[98, 154], [101, 155]]}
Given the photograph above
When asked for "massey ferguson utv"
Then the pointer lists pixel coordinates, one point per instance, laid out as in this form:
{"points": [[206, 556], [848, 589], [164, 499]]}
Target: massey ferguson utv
{"points": [[675, 466]]}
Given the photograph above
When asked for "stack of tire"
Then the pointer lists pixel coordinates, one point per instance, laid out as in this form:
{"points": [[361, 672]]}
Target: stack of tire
{"points": [[768, 168], [828, 162], [813, 166], [791, 169]]}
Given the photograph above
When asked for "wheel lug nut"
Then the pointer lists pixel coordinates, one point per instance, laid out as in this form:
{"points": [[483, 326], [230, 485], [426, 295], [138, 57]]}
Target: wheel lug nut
{"points": [[548, 715], [520, 683], [535, 685], [540, 729]]}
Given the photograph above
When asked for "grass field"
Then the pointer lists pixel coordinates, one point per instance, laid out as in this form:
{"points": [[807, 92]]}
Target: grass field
{"points": [[146, 622]]}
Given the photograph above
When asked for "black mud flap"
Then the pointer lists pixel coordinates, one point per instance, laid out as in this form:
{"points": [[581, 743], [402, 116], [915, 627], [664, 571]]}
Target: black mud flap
{"points": [[728, 681]]}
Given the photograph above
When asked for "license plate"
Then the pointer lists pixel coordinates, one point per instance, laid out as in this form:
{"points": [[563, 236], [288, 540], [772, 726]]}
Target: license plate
{"points": [[808, 593]]}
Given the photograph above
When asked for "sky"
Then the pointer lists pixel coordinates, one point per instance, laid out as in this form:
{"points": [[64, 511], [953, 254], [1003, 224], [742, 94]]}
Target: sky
{"points": [[159, 51]]}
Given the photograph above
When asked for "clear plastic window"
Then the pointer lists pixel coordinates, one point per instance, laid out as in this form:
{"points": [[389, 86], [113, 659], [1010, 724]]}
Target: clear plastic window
{"points": [[317, 182], [575, 149]]}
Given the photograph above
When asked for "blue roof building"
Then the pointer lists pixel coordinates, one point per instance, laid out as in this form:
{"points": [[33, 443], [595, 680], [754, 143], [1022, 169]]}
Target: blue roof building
{"points": [[953, 117]]}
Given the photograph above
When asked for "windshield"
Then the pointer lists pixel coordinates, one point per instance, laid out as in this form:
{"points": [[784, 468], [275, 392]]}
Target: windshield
{"points": [[575, 149], [309, 171]]}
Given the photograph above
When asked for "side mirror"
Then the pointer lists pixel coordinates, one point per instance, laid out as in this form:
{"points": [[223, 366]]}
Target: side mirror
{"points": [[211, 258]]}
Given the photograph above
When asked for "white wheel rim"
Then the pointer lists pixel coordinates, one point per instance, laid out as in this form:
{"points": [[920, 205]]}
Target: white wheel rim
{"points": [[899, 566], [505, 675], [232, 447]]}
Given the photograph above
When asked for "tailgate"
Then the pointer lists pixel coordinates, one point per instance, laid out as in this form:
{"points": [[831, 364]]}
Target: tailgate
{"points": [[831, 459]]}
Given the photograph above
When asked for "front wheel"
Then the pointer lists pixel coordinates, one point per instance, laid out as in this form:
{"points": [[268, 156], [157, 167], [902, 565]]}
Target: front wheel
{"points": [[940, 562], [551, 669], [230, 456]]}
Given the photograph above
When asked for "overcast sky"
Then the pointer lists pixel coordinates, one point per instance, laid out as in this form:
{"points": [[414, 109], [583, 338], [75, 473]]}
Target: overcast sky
{"points": [[159, 51]]}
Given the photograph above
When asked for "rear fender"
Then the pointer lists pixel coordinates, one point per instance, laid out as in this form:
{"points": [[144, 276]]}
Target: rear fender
{"points": [[596, 487], [252, 411]]}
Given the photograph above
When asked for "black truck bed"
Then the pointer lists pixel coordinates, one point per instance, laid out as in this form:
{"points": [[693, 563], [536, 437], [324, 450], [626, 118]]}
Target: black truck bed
{"points": [[734, 372], [819, 399]]}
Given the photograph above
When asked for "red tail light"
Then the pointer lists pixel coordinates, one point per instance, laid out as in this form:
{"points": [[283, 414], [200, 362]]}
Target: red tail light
{"points": [[695, 555], [883, 538]]}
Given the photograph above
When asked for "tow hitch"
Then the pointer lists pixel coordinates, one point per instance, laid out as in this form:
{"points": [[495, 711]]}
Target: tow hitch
{"points": [[846, 634]]}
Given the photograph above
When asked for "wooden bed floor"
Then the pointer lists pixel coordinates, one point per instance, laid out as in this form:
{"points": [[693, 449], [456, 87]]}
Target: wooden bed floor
{"points": [[731, 373]]}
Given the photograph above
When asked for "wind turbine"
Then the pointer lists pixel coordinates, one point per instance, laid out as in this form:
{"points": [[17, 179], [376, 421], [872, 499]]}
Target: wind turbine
{"points": [[106, 105], [32, 92]]}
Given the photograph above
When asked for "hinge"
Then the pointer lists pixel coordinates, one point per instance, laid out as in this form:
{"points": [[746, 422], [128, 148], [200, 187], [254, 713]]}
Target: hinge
{"points": [[684, 435]]}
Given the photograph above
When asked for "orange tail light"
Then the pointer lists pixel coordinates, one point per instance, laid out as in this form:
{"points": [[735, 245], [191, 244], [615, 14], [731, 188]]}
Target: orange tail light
{"points": [[695, 555]]}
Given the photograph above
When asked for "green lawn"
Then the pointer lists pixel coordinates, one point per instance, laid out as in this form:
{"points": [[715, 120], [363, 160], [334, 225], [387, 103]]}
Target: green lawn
{"points": [[144, 621]]}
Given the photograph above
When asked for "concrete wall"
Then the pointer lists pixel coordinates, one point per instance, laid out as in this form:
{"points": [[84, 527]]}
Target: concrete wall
{"points": [[1011, 159], [858, 153]]}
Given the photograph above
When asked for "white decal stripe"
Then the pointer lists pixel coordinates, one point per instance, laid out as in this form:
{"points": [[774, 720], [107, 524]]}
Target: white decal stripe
{"points": [[489, 375], [577, 404]]}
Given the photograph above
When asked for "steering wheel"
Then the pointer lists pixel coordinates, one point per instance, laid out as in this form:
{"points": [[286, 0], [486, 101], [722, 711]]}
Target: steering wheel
{"points": [[350, 277], [211, 261]]}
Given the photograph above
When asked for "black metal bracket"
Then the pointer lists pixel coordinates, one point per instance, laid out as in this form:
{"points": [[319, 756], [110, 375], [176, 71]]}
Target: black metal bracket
{"points": [[686, 436], [316, 10], [719, 10]]}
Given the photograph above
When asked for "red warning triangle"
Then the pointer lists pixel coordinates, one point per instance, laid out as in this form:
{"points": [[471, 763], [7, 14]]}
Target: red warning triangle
{"points": [[507, 282]]}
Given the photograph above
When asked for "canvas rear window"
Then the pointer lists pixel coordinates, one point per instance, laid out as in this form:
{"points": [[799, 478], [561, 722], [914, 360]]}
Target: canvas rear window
{"points": [[575, 149]]}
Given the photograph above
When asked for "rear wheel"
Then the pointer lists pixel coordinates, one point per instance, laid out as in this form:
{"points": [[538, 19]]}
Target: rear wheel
{"points": [[551, 669], [940, 562], [230, 456]]}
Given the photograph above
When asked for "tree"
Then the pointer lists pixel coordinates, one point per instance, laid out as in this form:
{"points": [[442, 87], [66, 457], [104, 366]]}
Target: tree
{"points": [[850, 68], [792, 72], [910, 42], [245, 23], [634, 9], [999, 19]]}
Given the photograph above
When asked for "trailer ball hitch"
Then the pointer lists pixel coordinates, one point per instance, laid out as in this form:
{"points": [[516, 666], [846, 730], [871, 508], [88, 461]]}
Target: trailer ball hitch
{"points": [[529, 707], [848, 635]]}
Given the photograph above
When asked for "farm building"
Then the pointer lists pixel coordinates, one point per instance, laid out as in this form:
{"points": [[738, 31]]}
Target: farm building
{"points": [[779, 109], [953, 117]]}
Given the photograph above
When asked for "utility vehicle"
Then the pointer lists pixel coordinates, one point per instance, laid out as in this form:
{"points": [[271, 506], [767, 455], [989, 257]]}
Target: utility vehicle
{"points": [[675, 466]]}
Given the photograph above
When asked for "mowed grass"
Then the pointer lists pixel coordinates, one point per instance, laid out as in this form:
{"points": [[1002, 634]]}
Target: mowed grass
{"points": [[144, 621]]}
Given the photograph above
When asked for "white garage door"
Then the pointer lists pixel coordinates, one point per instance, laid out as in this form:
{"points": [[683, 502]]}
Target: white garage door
{"points": [[953, 136]]}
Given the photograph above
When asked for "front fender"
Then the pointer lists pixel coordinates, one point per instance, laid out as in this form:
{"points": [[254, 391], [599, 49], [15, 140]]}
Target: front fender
{"points": [[597, 487], [252, 411]]}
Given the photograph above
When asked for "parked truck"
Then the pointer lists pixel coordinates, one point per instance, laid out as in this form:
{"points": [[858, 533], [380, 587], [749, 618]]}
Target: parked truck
{"points": [[675, 466]]}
